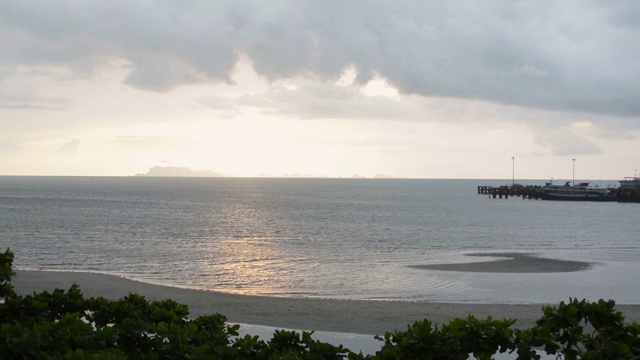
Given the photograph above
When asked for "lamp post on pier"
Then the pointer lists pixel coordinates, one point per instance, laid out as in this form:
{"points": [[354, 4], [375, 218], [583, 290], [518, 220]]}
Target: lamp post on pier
{"points": [[574, 172], [513, 171]]}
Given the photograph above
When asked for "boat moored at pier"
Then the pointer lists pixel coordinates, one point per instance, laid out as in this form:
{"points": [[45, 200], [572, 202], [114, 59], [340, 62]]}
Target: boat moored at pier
{"points": [[580, 192], [629, 190]]}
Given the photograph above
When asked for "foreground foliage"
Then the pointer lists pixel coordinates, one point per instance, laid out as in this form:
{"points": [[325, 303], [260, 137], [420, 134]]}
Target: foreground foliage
{"points": [[66, 325]]}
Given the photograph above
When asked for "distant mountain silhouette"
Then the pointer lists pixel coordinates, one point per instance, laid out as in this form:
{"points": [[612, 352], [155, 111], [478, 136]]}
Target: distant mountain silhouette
{"points": [[173, 171]]}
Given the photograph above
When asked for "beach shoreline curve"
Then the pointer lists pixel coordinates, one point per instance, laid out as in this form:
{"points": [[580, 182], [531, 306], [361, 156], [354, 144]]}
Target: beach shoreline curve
{"points": [[371, 317]]}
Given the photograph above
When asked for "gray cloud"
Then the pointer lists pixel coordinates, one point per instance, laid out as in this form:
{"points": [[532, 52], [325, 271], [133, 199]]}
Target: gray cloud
{"points": [[570, 56]]}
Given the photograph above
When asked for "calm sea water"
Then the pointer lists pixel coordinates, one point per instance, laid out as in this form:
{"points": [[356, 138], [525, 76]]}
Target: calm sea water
{"points": [[333, 238]]}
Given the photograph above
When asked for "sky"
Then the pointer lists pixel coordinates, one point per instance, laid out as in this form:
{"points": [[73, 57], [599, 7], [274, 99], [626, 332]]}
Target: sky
{"points": [[337, 88]]}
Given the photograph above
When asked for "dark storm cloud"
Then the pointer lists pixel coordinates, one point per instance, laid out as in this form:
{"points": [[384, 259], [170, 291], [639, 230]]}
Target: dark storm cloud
{"points": [[569, 55]]}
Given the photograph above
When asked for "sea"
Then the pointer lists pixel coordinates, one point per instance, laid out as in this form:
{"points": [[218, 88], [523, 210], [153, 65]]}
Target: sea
{"points": [[320, 238]]}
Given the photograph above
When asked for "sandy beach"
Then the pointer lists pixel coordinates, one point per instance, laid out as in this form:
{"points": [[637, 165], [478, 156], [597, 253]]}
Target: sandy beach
{"points": [[350, 316]]}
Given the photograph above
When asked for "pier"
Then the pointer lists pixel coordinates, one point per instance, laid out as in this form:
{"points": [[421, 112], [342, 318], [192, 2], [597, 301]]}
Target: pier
{"points": [[499, 192], [628, 192]]}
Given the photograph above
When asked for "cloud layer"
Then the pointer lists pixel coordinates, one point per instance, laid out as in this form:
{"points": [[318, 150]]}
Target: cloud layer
{"points": [[570, 56]]}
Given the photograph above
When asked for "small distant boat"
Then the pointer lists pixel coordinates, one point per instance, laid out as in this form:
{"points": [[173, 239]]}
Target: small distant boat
{"points": [[580, 192]]}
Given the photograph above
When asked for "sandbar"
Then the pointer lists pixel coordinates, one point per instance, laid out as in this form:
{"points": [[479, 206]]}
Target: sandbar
{"points": [[511, 263], [349, 316]]}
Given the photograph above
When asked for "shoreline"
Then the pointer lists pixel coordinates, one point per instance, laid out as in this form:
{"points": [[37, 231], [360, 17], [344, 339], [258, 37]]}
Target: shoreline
{"points": [[348, 316]]}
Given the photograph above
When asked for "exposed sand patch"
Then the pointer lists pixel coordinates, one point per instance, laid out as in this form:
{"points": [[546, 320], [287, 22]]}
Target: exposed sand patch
{"points": [[513, 263]]}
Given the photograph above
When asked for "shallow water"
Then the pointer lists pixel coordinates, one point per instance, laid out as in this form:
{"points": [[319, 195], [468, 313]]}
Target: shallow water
{"points": [[336, 238]]}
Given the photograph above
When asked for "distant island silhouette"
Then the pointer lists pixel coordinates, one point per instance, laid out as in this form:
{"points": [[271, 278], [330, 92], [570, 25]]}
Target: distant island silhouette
{"points": [[174, 171]]}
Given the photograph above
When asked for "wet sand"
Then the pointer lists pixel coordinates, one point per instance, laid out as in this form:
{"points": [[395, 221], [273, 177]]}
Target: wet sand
{"points": [[512, 263], [351, 316]]}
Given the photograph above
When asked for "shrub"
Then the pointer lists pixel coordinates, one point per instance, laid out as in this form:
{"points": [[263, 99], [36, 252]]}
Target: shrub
{"points": [[6, 272]]}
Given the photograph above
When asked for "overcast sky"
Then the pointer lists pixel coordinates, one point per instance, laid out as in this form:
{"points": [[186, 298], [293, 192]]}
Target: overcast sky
{"points": [[419, 89]]}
